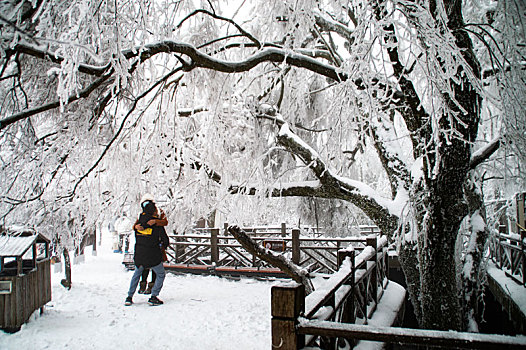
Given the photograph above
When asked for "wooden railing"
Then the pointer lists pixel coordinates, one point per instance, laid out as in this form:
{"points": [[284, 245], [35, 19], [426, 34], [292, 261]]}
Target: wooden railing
{"points": [[215, 247], [350, 295], [426, 339], [508, 251], [336, 315]]}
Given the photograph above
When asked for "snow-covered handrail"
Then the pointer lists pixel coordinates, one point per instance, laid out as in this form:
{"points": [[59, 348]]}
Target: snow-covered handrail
{"points": [[289, 303], [319, 297], [442, 339]]}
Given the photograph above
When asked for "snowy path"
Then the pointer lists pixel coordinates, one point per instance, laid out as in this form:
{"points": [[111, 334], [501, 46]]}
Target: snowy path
{"points": [[199, 313]]}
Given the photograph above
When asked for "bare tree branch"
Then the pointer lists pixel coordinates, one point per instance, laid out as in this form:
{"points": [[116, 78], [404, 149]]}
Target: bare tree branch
{"points": [[55, 104], [214, 15]]}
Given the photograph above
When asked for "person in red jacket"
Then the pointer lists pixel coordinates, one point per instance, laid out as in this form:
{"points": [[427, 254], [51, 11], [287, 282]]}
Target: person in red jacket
{"points": [[148, 243]]}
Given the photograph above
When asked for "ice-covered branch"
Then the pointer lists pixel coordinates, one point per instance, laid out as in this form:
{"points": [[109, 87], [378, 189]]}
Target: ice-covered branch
{"points": [[198, 59], [330, 25], [484, 153], [214, 15], [414, 115], [202, 60], [292, 189], [43, 54], [114, 138], [378, 208], [397, 171]]}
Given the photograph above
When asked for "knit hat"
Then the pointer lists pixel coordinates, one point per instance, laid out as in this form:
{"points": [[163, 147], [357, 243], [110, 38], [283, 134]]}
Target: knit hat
{"points": [[146, 198]]}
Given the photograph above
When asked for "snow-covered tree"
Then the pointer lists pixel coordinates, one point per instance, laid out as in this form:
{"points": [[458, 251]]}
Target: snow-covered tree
{"points": [[390, 106]]}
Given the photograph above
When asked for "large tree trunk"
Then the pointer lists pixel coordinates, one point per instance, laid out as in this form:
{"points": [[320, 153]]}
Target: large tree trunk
{"points": [[445, 173], [408, 256], [439, 293], [444, 212]]}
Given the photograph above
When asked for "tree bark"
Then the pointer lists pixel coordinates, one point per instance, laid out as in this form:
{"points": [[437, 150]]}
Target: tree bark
{"points": [[408, 256]]}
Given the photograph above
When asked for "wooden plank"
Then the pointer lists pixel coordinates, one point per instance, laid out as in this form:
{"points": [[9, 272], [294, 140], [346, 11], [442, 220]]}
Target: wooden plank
{"points": [[318, 260], [199, 252], [296, 247], [446, 339], [284, 335], [511, 247], [191, 244], [192, 253], [214, 250], [18, 302], [242, 256], [3, 311], [47, 281], [240, 259]]}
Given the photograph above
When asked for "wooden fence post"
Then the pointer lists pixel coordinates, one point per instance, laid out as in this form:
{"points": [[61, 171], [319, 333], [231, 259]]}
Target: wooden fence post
{"points": [[225, 229], [385, 258], [283, 229], [343, 253], [523, 256], [348, 313], [287, 303], [214, 249], [296, 246], [373, 242]]}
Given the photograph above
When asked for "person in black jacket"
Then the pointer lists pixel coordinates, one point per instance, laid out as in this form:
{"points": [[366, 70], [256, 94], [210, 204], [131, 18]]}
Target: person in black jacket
{"points": [[148, 243], [145, 287]]}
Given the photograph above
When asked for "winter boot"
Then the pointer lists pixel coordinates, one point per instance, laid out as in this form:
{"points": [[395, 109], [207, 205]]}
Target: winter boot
{"points": [[128, 301], [149, 288], [142, 287], [154, 301]]}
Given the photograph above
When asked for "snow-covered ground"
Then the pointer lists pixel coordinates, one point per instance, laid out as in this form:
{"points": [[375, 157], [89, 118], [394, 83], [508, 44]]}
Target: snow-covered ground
{"points": [[200, 312]]}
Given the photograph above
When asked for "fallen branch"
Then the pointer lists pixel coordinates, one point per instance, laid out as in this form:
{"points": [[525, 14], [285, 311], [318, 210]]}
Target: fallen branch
{"points": [[294, 271]]}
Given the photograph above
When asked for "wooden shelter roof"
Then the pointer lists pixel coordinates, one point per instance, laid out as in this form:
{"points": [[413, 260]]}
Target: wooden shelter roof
{"points": [[17, 245]]}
